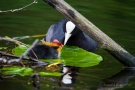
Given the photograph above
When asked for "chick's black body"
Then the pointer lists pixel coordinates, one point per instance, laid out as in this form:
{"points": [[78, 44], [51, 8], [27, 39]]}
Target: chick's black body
{"points": [[44, 51], [78, 38]]}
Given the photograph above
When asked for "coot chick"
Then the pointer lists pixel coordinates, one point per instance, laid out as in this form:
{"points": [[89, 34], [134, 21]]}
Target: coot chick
{"points": [[47, 50]]}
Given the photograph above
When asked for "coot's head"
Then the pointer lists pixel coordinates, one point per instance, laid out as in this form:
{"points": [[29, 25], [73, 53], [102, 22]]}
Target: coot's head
{"points": [[69, 29], [46, 50]]}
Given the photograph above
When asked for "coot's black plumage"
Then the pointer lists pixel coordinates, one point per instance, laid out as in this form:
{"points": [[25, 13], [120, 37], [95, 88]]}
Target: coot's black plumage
{"points": [[77, 38]]}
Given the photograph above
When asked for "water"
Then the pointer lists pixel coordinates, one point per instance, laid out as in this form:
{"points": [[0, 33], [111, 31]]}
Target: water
{"points": [[114, 17]]}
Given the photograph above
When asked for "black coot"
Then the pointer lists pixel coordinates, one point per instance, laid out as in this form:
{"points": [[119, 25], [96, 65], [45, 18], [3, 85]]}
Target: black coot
{"points": [[67, 33]]}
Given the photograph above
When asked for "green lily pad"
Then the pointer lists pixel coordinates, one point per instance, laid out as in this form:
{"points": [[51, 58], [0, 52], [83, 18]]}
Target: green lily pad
{"points": [[74, 56], [70, 55], [50, 74], [14, 70], [19, 50], [3, 48], [24, 71]]}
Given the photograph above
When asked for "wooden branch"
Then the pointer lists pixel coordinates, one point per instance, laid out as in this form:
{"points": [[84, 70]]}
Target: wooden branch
{"points": [[90, 29], [29, 59], [13, 56]]}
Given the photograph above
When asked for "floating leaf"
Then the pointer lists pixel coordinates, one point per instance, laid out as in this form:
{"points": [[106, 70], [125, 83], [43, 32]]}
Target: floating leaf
{"points": [[70, 55], [74, 56], [3, 47], [16, 71], [23, 71], [19, 50], [50, 74]]}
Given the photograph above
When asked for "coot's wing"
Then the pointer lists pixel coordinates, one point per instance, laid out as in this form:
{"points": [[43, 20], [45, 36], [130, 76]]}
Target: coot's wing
{"points": [[50, 33]]}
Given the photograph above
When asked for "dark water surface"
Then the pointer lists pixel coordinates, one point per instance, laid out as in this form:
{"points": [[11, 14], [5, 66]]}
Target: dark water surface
{"points": [[114, 17]]}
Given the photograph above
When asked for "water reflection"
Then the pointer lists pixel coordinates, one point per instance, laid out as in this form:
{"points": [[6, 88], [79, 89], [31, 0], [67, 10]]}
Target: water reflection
{"points": [[68, 80], [118, 80], [65, 82], [70, 77]]}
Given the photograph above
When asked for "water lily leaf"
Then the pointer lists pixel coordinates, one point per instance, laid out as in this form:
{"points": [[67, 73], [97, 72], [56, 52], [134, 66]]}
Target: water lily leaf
{"points": [[70, 55], [14, 70], [50, 74], [74, 56], [19, 50], [3, 47], [23, 71]]}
